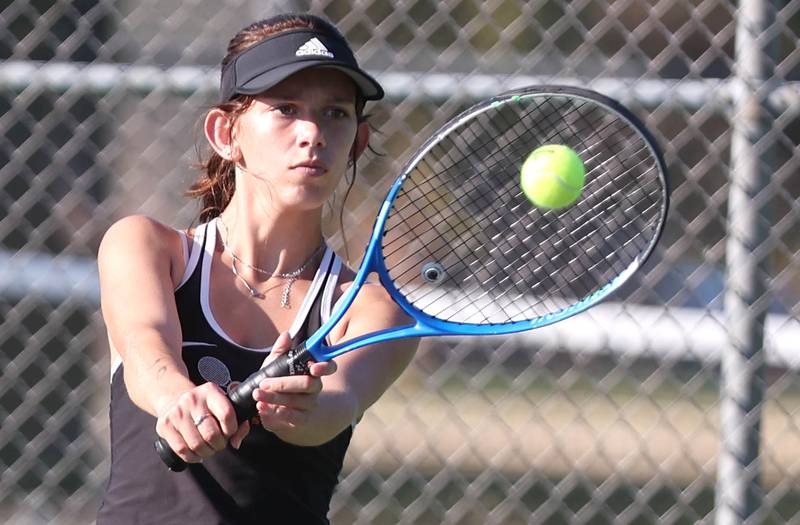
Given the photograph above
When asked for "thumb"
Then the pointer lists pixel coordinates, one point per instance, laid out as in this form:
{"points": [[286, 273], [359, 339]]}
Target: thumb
{"points": [[281, 345]]}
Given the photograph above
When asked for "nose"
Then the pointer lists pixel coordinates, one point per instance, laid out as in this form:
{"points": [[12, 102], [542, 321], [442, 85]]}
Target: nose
{"points": [[310, 134]]}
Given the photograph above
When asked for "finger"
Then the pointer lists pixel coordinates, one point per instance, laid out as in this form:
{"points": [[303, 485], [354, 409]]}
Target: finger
{"points": [[190, 430], [281, 345], [325, 368], [221, 408], [178, 444], [182, 438], [303, 402], [241, 433], [211, 432], [278, 417], [304, 384]]}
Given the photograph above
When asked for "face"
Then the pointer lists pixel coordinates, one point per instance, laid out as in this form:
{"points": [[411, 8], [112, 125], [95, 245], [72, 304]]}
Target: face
{"points": [[298, 137]]}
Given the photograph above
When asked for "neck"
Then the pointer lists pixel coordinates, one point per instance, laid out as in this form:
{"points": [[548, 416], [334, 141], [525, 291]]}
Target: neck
{"points": [[278, 242]]}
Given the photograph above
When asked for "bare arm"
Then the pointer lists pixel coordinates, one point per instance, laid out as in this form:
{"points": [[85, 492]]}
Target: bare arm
{"points": [[139, 264], [135, 263], [361, 377]]}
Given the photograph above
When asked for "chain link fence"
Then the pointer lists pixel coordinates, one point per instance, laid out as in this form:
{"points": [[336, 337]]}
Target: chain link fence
{"points": [[676, 402]]}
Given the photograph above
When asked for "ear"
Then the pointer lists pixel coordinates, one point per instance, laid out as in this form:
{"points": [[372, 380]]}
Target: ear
{"points": [[361, 141], [219, 133]]}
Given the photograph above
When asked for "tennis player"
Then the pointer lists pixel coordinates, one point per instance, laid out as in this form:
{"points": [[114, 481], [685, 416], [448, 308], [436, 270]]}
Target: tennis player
{"points": [[191, 313]]}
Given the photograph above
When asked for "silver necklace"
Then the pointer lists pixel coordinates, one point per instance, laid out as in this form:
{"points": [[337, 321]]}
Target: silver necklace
{"points": [[290, 277]]}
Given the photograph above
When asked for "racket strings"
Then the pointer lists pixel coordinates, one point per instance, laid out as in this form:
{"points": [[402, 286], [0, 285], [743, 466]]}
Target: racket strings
{"points": [[509, 239], [422, 203], [550, 121], [427, 190], [480, 200], [467, 273], [456, 236], [503, 294], [504, 260], [621, 138], [576, 127]]}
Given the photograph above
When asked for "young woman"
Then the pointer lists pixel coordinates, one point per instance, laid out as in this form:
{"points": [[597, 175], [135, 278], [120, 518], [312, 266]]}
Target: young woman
{"points": [[189, 314]]}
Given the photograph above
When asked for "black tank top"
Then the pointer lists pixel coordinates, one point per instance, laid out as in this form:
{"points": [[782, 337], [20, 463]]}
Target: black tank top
{"points": [[266, 481]]}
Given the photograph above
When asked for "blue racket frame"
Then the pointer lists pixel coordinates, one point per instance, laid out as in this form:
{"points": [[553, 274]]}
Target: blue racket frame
{"points": [[427, 325]]}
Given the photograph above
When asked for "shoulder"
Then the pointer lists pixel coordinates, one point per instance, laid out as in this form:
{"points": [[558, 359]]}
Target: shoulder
{"points": [[138, 238], [372, 297], [372, 309], [138, 231]]}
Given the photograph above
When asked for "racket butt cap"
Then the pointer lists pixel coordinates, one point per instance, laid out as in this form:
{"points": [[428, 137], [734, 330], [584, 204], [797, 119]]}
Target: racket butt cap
{"points": [[170, 458]]}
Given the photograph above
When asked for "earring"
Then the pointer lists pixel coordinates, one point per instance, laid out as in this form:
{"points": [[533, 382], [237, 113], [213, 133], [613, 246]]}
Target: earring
{"points": [[226, 153]]}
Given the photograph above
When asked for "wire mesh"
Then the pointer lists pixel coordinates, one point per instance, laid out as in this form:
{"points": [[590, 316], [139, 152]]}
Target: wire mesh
{"points": [[611, 417]]}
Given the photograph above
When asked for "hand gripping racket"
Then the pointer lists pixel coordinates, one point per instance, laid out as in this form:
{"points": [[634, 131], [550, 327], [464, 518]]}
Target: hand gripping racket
{"points": [[463, 251]]}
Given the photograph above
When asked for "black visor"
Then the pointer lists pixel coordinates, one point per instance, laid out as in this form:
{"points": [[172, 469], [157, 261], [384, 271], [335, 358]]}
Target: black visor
{"points": [[272, 60]]}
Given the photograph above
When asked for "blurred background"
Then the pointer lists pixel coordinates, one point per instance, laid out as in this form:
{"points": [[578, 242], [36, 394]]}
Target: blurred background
{"points": [[678, 401]]}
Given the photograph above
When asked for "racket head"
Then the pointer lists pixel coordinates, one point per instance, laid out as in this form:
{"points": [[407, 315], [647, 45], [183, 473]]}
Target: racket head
{"points": [[508, 265], [461, 249]]}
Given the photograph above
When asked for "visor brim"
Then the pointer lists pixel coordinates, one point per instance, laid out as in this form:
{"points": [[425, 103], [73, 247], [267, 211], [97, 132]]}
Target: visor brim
{"points": [[367, 86]]}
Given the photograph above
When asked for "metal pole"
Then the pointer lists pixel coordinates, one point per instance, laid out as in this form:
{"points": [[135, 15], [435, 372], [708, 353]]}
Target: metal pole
{"points": [[738, 495]]}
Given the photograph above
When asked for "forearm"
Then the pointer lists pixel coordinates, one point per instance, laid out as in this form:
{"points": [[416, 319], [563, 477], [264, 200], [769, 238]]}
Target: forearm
{"points": [[360, 381], [335, 411], [154, 375]]}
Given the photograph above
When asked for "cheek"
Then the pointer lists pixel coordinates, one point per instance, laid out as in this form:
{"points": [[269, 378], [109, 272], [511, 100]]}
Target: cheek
{"points": [[345, 138], [262, 135]]}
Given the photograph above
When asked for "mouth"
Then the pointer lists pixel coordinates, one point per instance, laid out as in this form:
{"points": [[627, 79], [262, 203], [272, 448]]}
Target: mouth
{"points": [[311, 168]]}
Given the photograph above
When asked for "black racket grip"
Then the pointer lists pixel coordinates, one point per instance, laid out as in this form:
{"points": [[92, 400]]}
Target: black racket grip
{"points": [[292, 363], [170, 458]]}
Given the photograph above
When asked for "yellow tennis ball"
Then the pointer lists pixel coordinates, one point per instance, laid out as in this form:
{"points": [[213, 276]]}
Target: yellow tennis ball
{"points": [[552, 177]]}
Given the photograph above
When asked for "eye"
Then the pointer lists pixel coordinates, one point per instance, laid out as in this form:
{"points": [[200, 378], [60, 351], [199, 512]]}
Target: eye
{"points": [[337, 113], [286, 109]]}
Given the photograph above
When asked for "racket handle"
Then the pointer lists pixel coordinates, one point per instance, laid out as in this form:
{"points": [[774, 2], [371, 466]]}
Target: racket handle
{"points": [[292, 363], [168, 456]]}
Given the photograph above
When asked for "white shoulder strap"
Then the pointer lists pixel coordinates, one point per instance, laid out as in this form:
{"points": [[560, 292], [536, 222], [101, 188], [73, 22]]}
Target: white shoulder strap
{"points": [[330, 289], [191, 254], [305, 308]]}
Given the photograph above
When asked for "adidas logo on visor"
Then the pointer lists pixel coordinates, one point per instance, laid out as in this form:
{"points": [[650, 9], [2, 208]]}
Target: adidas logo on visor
{"points": [[313, 47]]}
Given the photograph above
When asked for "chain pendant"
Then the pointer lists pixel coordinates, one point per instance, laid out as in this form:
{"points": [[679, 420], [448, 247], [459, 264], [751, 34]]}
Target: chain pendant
{"points": [[285, 295]]}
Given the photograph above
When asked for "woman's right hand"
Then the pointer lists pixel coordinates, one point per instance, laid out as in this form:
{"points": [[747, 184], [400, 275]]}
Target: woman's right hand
{"points": [[199, 423]]}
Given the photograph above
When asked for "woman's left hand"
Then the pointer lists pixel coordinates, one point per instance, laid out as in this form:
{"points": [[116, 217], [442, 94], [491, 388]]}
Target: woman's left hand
{"points": [[285, 403]]}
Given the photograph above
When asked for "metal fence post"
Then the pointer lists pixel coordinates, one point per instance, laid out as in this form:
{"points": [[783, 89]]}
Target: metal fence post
{"points": [[738, 495]]}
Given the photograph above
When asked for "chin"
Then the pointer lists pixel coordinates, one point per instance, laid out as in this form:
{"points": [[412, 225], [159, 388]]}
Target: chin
{"points": [[307, 199]]}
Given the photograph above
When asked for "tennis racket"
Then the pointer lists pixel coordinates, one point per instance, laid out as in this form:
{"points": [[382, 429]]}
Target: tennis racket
{"points": [[460, 248]]}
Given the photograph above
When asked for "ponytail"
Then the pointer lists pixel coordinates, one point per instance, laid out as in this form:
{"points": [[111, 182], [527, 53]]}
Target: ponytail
{"points": [[215, 186]]}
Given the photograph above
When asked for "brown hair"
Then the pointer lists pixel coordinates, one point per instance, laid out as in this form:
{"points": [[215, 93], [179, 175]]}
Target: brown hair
{"points": [[217, 182]]}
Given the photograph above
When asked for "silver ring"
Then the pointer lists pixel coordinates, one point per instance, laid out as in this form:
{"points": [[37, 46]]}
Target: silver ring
{"points": [[200, 419]]}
